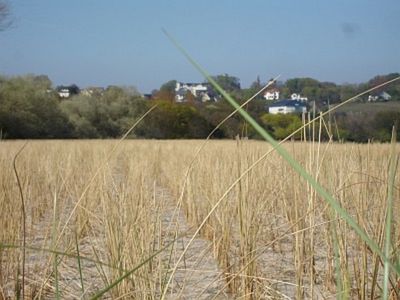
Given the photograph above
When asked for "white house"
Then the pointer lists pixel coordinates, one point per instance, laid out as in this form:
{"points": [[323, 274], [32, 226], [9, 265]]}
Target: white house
{"points": [[382, 96], [272, 94], [287, 106], [298, 97], [198, 90], [67, 91], [64, 93]]}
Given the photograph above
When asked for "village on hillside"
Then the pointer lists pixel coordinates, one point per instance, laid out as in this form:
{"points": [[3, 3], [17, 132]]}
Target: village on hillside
{"points": [[193, 109], [201, 92]]}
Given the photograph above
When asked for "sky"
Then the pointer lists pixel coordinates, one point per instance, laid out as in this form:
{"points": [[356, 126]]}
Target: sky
{"points": [[101, 43]]}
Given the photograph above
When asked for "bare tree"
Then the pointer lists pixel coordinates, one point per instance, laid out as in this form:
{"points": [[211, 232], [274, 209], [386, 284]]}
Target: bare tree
{"points": [[5, 21]]}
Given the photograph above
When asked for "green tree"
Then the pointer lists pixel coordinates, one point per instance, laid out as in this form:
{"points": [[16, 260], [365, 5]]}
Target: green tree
{"points": [[166, 92], [297, 85], [347, 91], [173, 120], [383, 123], [108, 115], [165, 95], [215, 113], [329, 93], [255, 87], [169, 86], [281, 125], [227, 82], [28, 110], [81, 114]]}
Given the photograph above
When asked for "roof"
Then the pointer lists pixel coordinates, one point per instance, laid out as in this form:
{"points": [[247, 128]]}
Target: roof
{"points": [[288, 102], [193, 83]]}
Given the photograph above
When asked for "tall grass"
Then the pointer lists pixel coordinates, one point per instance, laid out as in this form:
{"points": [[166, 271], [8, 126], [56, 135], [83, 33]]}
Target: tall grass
{"points": [[115, 223], [272, 237], [278, 200]]}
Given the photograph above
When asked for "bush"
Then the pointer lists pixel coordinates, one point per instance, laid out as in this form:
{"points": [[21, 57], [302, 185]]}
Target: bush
{"points": [[281, 125], [172, 120], [28, 110]]}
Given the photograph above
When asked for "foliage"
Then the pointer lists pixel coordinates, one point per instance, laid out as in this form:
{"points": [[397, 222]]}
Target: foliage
{"points": [[215, 113], [31, 108], [105, 116], [165, 95], [166, 92], [347, 91], [281, 125], [169, 86], [297, 85], [227, 82], [28, 110], [365, 126], [173, 120], [255, 88], [383, 123]]}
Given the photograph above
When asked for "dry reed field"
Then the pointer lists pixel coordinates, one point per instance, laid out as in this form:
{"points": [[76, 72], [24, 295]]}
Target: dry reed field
{"points": [[120, 222]]}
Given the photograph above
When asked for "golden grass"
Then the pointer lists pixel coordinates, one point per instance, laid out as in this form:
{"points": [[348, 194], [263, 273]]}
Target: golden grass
{"points": [[272, 236], [253, 222], [115, 223]]}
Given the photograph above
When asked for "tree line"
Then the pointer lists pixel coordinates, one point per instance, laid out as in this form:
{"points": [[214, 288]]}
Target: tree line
{"points": [[31, 108]]}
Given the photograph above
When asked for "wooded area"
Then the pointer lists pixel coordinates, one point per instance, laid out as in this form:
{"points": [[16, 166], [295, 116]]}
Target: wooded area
{"points": [[31, 108]]}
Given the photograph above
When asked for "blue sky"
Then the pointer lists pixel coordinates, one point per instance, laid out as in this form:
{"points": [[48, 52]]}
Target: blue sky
{"points": [[98, 43]]}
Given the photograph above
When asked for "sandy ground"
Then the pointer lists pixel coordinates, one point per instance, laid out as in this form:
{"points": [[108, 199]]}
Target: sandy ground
{"points": [[198, 275]]}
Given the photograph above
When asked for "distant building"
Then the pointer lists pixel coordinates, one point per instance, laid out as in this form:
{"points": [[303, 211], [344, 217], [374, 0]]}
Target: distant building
{"points": [[67, 91], [287, 106], [93, 91], [271, 94], [382, 96], [64, 93], [201, 91], [148, 96], [298, 97]]}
